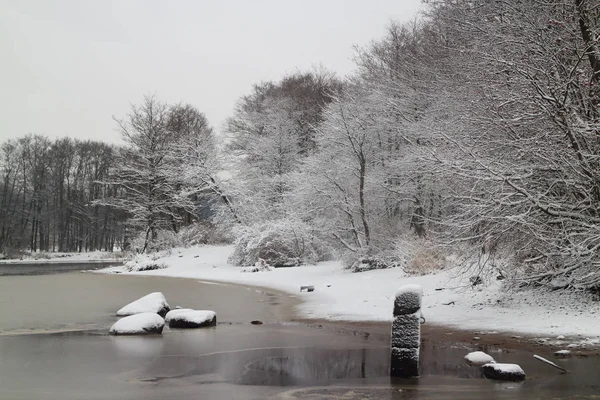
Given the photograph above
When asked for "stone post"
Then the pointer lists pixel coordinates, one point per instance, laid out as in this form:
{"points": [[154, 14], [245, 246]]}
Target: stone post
{"points": [[406, 332]]}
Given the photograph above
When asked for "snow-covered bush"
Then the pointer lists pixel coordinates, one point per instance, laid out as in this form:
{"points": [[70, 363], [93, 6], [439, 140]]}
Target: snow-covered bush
{"points": [[142, 262], [420, 256], [280, 243], [203, 233], [260, 266], [195, 234], [165, 240], [42, 255], [360, 262]]}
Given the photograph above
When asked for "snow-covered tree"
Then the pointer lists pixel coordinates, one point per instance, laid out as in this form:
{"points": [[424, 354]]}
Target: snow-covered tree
{"points": [[158, 188]]}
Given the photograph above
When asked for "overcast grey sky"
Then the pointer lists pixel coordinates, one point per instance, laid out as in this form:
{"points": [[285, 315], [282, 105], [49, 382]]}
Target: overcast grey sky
{"points": [[68, 66]]}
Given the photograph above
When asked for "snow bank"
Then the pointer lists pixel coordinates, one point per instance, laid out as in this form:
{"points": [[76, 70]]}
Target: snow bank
{"points": [[151, 303], [479, 358], [186, 318], [448, 297], [138, 324]]}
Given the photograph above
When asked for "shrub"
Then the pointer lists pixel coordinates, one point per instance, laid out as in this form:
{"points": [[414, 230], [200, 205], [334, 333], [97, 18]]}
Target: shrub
{"points": [[143, 263], [203, 233], [280, 243], [420, 256], [360, 262]]}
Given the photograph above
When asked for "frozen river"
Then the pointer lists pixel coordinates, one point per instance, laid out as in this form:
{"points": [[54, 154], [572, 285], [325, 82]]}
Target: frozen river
{"points": [[53, 345]]}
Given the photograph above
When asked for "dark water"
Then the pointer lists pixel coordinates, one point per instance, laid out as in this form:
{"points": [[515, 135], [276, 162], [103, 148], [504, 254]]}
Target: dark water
{"points": [[235, 360]]}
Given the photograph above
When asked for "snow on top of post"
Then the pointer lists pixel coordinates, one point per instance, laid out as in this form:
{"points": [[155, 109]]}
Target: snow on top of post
{"points": [[411, 288], [408, 299]]}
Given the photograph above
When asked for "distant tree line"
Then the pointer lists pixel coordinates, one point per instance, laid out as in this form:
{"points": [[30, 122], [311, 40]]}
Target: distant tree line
{"points": [[47, 195]]}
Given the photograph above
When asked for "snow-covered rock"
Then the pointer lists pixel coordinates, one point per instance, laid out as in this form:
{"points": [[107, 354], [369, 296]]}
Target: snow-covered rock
{"points": [[408, 299], [172, 313], [138, 324], [503, 372], [192, 318], [479, 358], [151, 303], [562, 353]]}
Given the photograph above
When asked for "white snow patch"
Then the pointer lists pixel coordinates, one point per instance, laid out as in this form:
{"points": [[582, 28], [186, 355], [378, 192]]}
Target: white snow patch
{"points": [[369, 296], [410, 288], [175, 312], [192, 316], [479, 358], [562, 353], [151, 303], [138, 324], [505, 368]]}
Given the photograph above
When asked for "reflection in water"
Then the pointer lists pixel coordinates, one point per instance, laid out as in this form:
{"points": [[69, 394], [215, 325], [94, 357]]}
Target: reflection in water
{"points": [[137, 346], [311, 366]]}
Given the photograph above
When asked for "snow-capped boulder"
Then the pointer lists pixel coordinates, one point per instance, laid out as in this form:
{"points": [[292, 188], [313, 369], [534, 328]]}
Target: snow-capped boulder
{"points": [[562, 353], [408, 299], [188, 319], [151, 303], [503, 372], [172, 313], [139, 324], [479, 358]]}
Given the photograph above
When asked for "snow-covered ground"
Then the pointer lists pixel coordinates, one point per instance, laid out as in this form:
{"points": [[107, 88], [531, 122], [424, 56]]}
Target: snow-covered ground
{"points": [[65, 258], [448, 298]]}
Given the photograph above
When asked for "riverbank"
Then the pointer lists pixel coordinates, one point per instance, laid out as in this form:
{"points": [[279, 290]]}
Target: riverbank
{"points": [[561, 319], [66, 258]]}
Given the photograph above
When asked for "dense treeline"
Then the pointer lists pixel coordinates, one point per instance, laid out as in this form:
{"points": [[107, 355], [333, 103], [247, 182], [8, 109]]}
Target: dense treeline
{"points": [[47, 196], [475, 129]]}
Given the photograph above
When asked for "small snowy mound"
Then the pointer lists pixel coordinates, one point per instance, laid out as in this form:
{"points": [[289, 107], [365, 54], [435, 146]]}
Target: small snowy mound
{"points": [[503, 372], [479, 358], [408, 299], [151, 303], [139, 324], [187, 319], [172, 313], [562, 353]]}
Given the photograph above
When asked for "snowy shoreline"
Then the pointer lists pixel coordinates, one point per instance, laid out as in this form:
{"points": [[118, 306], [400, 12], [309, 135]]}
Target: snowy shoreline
{"points": [[448, 299], [94, 257]]}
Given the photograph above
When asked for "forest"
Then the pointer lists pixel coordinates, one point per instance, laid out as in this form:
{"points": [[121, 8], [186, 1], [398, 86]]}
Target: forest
{"points": [[472, 130]]}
